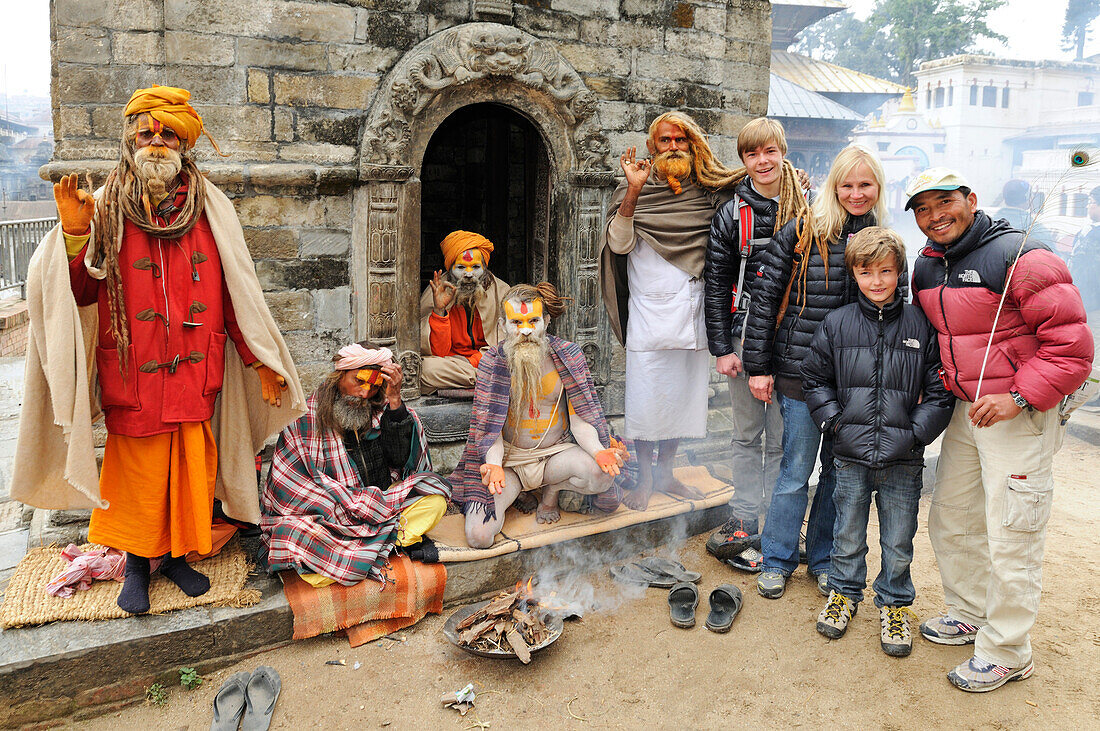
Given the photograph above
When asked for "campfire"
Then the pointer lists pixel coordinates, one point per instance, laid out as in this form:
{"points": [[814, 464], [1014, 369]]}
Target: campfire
{"points": [[513, 622]]}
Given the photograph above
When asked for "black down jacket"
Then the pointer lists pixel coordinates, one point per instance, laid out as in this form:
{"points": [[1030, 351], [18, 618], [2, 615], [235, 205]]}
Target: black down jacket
{"points": [[872, 376], [724, 265], [771, 352]]}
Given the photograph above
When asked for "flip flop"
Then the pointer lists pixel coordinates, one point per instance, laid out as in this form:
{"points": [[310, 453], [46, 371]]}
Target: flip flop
{"points": [[683, 598], [725, 603], [261, 694], [670, 568], [229, 703], [639, 575]]}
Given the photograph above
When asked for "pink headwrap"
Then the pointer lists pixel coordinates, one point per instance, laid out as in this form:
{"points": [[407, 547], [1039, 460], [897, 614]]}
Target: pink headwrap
{"points": [[355, 356]]}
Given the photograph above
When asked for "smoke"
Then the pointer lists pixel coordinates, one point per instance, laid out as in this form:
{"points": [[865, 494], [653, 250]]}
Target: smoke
{"points": [[574, 579]]}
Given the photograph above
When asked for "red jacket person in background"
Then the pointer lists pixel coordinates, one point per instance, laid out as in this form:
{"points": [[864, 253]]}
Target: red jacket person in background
{"points": [[1014, 342]]}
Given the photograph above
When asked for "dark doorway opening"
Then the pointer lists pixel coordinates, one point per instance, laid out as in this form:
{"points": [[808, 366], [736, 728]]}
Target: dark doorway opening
{"points": [[486, 169]]}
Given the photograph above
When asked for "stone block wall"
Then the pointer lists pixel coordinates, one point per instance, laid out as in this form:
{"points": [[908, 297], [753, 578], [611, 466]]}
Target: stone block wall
{"points": [[285, 87]]}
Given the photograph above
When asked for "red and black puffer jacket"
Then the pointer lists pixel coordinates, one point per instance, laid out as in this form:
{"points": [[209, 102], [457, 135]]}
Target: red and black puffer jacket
{"points": [[1041, 346]]}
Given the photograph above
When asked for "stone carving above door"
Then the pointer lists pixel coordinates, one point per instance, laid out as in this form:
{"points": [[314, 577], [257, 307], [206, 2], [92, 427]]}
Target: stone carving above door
{"points": [[469, 53]]}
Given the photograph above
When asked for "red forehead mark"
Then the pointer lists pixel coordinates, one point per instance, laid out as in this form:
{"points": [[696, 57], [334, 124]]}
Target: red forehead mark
{"points": [[155, 126], [523, 308], [467, 256]]}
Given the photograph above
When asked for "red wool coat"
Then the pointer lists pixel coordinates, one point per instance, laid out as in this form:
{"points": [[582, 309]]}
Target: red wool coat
{"points": [[179, 315]]}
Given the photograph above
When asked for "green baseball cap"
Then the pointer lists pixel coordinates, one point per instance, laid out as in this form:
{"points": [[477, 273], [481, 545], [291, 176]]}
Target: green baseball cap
{"points": [[933, 179]]}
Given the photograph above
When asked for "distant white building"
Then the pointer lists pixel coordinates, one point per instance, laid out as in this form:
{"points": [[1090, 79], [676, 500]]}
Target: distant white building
{"points": [[1000, 119]]}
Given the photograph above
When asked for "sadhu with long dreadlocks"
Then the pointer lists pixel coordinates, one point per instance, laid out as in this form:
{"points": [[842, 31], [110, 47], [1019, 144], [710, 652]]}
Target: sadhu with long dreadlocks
{"points": [[157, 260], [801, 278], [651, 270]]}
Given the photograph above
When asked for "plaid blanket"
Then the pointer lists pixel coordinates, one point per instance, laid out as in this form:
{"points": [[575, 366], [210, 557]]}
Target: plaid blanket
{"points": [[318, 515], [364, 611], [491, 397]]}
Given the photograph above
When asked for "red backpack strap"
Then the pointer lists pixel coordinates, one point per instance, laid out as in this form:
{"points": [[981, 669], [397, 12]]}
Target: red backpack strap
{"points": [[744, 211]]}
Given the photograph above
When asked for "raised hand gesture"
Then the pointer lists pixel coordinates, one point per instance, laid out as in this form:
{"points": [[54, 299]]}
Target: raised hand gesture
{"points": [[75, 207], [636, 171], [443, 293]]}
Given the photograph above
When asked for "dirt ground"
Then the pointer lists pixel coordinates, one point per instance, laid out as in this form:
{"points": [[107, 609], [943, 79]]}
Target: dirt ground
{"points": [[631, 668]]}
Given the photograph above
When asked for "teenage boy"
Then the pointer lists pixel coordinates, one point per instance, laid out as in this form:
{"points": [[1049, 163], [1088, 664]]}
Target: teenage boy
{"points": [[765, 198], [872, 379]]}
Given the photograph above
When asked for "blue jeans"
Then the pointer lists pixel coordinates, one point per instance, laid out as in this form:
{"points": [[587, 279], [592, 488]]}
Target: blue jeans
{"points": [[897, 489], [779, 541]]}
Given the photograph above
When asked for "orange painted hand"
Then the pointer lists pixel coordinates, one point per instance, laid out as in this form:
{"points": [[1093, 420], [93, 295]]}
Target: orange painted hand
{"points": [[621, 446], [271, 384], [75, 207], [492, 476], [610, 460]]}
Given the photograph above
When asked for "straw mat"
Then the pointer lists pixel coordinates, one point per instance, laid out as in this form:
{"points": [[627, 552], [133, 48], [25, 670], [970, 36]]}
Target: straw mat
{"points": [[27, 603]]}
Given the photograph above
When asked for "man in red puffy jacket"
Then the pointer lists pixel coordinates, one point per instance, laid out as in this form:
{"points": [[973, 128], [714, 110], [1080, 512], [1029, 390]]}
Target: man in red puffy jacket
{"points": [[1014, 342]]}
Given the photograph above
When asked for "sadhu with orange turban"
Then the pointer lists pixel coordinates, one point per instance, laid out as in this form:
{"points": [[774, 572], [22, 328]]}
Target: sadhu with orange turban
{"points": [[160, 253], [459, 313]]}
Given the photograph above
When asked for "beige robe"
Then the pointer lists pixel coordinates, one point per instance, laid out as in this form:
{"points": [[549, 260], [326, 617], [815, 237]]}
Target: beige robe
{"points": [[455, 371], [55, 463]]}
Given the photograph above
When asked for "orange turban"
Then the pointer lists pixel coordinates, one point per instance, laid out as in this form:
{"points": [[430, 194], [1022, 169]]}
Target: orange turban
{"points": [[168, 105], [457, 242]]}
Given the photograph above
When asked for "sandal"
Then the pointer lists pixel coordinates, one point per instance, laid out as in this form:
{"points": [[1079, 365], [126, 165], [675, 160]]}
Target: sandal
{"points": [[229, 703], [683, 598], [670, 568], [633, 573], [261, 695], [725, 603]]}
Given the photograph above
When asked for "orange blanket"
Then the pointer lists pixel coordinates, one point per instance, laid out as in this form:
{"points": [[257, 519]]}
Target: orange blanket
{"points": [[362, 610]]}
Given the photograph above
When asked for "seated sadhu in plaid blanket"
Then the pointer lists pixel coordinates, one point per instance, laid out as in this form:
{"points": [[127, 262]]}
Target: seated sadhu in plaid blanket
{"points": [[352, 478], [536, 423]]}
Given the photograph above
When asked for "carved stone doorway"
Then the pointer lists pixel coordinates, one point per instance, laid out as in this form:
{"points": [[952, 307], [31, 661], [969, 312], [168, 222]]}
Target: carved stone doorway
{"points": [[486, 169]]}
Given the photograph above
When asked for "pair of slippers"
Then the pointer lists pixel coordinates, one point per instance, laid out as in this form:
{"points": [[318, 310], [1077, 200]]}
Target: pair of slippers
{"points": [[660, 573], [247, 699], [725, 603]]}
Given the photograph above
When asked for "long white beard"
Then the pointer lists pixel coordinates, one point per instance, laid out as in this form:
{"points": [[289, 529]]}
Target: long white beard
{"points": [[525, 359], [155, 171]]}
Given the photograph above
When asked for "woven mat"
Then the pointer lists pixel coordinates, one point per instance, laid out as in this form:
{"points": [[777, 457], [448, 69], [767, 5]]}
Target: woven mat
{"points": [[27, 603], [522, 531], [367, 610]]}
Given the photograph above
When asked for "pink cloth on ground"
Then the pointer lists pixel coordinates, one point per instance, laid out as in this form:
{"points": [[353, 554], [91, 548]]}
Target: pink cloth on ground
{"points": [[104, 564]]}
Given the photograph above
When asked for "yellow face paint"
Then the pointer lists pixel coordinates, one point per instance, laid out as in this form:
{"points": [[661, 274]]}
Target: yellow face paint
{"points": [[525, 316], [468, 262], [369, 377], [150, 130]]}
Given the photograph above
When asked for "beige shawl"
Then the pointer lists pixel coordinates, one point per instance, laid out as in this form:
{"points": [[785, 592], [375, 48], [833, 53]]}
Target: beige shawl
{"points": [[55, 463], [488, 308], [676, 226]]}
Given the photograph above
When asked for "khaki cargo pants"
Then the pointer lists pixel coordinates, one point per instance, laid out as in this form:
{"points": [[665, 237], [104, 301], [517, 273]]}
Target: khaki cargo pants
{"points": [[987, 524]]}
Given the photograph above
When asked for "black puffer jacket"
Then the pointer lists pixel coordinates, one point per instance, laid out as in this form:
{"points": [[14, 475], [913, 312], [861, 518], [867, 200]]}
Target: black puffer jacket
{"points": [[724, 265], [780, 352], [863, 377]]}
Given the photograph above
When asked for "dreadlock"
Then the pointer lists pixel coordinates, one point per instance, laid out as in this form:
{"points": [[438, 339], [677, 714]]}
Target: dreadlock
{"points": [[553, 304], [124, 198]]}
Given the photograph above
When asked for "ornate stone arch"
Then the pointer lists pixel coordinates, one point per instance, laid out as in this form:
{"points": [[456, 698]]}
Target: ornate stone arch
{"points": [[469, 64]]}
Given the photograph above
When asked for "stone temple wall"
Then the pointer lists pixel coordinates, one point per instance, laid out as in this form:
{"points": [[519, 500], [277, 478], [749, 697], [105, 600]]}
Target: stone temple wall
{"points": [[324, 109]]}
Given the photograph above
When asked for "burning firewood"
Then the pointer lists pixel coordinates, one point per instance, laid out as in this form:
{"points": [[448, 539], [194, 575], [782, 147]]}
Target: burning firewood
{"points": [[512, 620]]}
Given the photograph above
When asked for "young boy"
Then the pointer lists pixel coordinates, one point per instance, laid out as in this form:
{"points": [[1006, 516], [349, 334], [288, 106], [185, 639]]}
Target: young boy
{"points": [[765, 199], [872, 377]]}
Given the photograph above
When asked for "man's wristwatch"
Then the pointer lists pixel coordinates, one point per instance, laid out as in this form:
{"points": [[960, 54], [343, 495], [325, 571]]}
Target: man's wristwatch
{"points": [[1020, 400]]}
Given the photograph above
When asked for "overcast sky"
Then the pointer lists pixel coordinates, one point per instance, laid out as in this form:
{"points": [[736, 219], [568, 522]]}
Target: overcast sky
{"points": [[25, 38]]}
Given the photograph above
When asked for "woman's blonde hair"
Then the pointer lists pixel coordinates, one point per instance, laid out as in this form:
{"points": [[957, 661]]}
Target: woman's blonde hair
{"points": [[825, 219]]}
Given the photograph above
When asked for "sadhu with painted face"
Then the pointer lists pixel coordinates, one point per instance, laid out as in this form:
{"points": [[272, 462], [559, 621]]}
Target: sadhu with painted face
{"points": [[158, 261], [536, 423], [459, 313]]}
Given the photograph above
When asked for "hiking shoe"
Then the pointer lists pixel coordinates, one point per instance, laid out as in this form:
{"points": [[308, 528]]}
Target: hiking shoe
{"points": [[822, 580], [771, 584], [749, 560], [834, 618], [732, 538], [896, 638], [979, 676], [944, 630]]}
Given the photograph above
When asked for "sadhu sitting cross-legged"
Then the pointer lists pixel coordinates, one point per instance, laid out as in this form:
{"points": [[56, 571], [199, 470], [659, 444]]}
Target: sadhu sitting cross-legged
{"points": [[351, 479], [536, 423]]}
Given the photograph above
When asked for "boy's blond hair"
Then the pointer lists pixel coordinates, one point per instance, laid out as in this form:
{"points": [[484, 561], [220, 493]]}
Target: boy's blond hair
{"points": [[759, 133], [873, 244]]}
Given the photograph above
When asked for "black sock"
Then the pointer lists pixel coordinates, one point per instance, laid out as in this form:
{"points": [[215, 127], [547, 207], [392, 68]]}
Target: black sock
{"points": [[425, 551], [135, 591], [190, 582]]}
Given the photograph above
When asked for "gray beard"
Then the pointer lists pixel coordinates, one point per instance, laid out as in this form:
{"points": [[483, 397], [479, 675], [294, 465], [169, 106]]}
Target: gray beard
{"points": [[525, 361], [353, 413], [468, 292]]}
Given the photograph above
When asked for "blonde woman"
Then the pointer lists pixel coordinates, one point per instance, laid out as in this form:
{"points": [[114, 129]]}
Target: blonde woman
{"points": [[802, 278]]}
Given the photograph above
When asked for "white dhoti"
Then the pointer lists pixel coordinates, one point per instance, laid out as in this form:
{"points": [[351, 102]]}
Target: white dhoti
{"points": [[667, 362]]}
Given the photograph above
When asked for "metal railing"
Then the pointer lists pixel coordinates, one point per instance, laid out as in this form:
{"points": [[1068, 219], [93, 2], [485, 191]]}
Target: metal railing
{"points": [[17, 242]]}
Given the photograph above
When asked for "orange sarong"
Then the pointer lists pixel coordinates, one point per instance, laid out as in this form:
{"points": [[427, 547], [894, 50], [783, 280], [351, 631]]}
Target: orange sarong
{"points": [[160, 491]]}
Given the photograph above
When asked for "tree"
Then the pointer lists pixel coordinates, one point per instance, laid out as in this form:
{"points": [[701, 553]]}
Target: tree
{"points": [[1079, 15], [898, 34]]}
